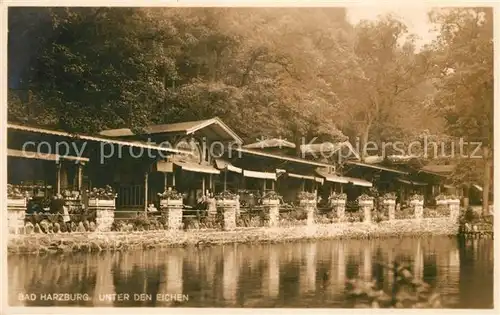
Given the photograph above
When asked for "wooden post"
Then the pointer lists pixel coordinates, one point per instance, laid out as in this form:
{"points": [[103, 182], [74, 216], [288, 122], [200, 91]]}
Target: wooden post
{"points": [[165, 181], [211, 182], [302, 185], [264, 186], [58, 177], [272, 185], [80, 176], [203, 184], [173, 179], [225, 179], [146, 180]]}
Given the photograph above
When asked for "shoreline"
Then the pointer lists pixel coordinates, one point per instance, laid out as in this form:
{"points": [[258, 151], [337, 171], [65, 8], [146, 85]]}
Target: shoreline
{"points": [[120, 241]]}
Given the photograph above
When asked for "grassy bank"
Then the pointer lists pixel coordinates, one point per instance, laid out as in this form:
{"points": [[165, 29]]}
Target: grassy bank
{"points": [[118, 241]]}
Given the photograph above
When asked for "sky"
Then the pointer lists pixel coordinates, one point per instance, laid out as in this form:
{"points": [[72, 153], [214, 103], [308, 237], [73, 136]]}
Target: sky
{"points": [[415, 18]]}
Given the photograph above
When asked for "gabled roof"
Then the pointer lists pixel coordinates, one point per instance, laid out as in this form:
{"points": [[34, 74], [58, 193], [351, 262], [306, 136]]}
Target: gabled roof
{"points": [[271, 143], [214, 128]]}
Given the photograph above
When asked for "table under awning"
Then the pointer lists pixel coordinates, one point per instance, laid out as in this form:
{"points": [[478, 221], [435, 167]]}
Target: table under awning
{"points": [[198, 168], [409, 182], [262, 175], [225, 165]]}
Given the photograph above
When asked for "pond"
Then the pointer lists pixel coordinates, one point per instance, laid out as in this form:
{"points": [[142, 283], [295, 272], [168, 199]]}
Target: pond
{"points": [[303, 274]]}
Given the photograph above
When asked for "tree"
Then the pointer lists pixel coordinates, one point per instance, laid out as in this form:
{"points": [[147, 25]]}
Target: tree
{"points": [[378, 99], [464, 64]]}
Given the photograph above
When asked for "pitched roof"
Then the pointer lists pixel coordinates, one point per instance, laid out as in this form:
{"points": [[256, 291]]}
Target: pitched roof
{"points": [[215, 128]]}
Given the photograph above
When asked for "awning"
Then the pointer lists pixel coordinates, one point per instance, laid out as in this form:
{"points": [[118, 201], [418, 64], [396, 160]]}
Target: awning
{"points": [[225, 165], [477, 187], [313, 178], [332, 177], [198, 168], [262, 175], [43, 156], [409, 182], [359, 182], [344, 179], [97, 139]]}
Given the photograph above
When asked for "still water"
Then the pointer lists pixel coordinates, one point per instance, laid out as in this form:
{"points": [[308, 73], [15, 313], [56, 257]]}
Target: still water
{"points": [[308, 274]]}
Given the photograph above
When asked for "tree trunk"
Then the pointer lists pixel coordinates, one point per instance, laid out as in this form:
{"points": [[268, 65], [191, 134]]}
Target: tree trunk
{"points": [[486, 180]]}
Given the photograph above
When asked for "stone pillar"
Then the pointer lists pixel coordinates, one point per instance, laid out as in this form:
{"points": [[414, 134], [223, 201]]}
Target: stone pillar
{"points": [[172, 209], [366, 206], [339, 208], [310, 207], [104, 213], [418, 208], [16, 213], [454, 206], [391, 208], [228, 209], [272, 206]]}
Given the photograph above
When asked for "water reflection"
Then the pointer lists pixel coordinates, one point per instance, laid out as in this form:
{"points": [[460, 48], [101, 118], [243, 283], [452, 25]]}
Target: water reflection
{"points": [[286, 275]]}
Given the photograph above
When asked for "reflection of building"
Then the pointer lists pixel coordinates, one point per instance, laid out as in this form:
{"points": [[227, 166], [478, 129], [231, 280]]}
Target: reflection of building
{"points": [[174, 274], [341, 265], [104, 281], [230, 275], [308, 276], [271, 276], [418, 267], [367, 262]]}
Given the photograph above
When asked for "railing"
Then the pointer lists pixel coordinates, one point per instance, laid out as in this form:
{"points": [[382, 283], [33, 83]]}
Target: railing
{"points": [[132, 195]]}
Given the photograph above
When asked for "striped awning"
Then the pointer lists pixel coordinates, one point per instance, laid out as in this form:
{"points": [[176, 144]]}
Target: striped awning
{"points": [[262, 175], [43, 156], [409, 182], [197, 168], [225, 165]]}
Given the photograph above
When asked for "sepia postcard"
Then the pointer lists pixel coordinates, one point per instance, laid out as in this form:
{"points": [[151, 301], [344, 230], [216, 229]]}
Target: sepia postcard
{"points": [[248, 157]]}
